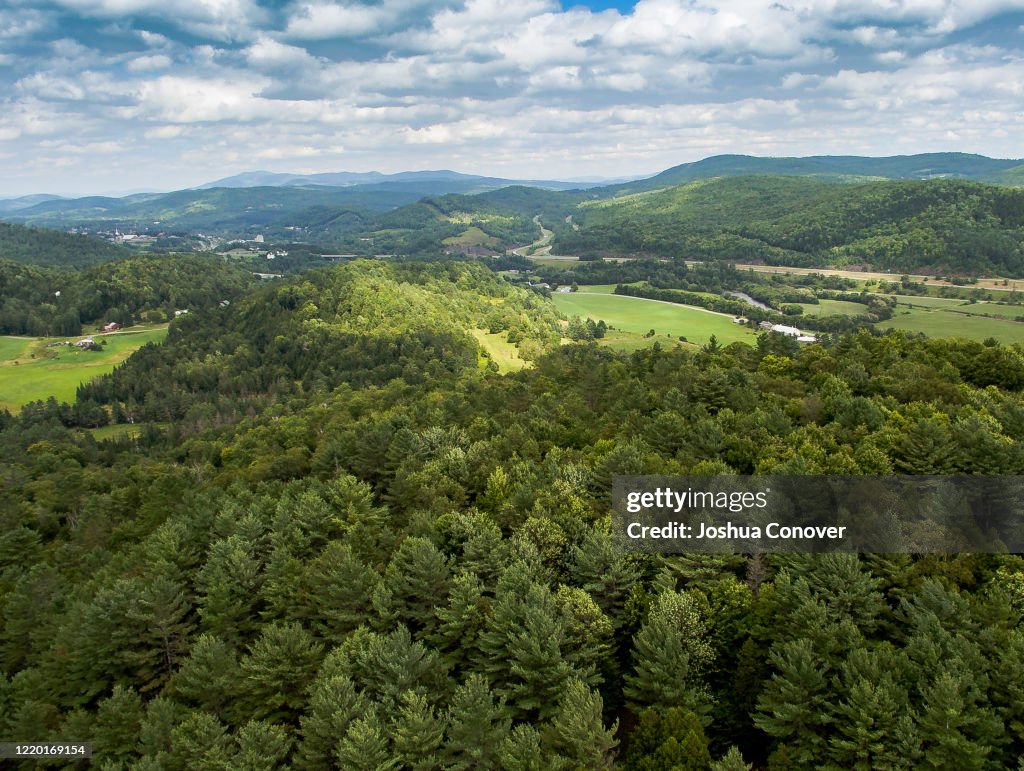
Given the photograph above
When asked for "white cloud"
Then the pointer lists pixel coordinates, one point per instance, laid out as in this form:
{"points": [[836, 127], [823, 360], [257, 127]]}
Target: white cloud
{"points": [[520, 88], [149, 63]]}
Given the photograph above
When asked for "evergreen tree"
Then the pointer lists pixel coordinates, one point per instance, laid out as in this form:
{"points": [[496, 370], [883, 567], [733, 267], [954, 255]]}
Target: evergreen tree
{"points": [[417, 579], [416, 733], [280, 666], [333, 704], [670, 657], [261, 746], [209, 677], [577, 733], [365, 746], [115, 732], [477, 726], [670, 739]]}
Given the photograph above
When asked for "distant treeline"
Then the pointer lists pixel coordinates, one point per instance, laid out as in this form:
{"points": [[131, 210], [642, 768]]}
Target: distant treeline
{"points": [[938, 226], [52, 301]]}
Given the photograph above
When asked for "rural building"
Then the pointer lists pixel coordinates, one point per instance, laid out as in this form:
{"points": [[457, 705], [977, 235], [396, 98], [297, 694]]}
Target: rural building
{"points": [[113, 326], [85, 342]]}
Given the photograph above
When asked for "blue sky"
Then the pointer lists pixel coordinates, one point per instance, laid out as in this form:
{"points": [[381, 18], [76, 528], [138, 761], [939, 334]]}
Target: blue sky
{"points": [[116, 95]]}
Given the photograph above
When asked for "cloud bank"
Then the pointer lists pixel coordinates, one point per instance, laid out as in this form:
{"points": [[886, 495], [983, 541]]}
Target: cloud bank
{"points": [[121, 94]]}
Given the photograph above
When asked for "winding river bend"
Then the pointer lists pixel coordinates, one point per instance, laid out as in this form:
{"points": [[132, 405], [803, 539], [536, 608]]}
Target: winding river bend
{"points": [[749, 300]]}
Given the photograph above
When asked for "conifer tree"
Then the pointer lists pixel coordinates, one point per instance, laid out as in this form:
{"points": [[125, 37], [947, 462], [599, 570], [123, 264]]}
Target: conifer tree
{"points": [[115, 731], [670, 657], [521, 751], [333, 704], [577, 732], [336, 591], [209, 677], [477, 726], [365, 746], [417, 579], [262, 746], [416, 733], [794, 704], [279, 667]]}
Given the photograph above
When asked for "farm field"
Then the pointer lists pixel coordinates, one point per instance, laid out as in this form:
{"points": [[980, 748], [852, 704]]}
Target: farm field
{"points": [[31, 370], [951, 323], [833, 308], [927, 302], [992, 309], [637, 316]]}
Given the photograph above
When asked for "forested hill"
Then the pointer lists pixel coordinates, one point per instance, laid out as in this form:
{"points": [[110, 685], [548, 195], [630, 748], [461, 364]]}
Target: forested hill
{"points": [[346, 544], [58, 301], [837, 168], [40, 246], [932, 226]]}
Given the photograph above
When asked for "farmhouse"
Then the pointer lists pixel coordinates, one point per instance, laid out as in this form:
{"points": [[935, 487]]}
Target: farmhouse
{"points": [[113, 326], [85, 342]]}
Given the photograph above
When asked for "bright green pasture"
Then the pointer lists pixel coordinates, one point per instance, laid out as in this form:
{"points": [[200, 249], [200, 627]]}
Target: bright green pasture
{"points": [[32, 369], [928, 302], [13, 347], [833, 308], [502, 352], [950, 323], [636, 315], [993, 309]]}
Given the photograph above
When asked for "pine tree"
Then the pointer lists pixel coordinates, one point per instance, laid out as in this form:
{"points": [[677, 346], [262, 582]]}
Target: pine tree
{"points": [[200, 741], [670, 657], [670, 739], [209, 677], [477, 726], [956, 730], [794, 703], [335, 592], [116, 728], [417, 579], [333, 704], [521, 649], [261, 746], [731, 761], [280, 666], [577, 732], [521, 751], [604, 574], [417, 732], [365, 746], [460, 622]]}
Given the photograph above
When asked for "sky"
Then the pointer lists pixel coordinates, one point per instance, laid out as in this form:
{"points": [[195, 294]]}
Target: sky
{"points": [[102, 96]]}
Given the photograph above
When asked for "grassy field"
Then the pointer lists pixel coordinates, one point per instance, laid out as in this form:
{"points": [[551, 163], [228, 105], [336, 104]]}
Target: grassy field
{"points": [[993, 309], [833, 308], [951, 323], [637, 316], [927, 302], [502, 352], [30, 369]]}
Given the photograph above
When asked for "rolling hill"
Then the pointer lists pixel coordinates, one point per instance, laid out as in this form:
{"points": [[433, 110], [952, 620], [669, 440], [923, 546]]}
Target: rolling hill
{"points": [[926, 226], [40, 246]]}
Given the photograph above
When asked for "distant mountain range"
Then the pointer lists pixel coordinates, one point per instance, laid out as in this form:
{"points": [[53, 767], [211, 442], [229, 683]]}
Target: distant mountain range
{"points": [[838, 168], [442, 181], [342, 207]]}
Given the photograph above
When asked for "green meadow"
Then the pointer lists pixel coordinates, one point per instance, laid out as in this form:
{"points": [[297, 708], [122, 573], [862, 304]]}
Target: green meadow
{"points": [[501, 351], [33, 368], [833, 308], [952, 322], [637, 316]]}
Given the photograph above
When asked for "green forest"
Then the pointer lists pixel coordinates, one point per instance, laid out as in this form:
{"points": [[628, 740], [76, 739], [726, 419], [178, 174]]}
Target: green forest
{"points": [[339, 538], [937, 226], [57, 301], [52, 248]]}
